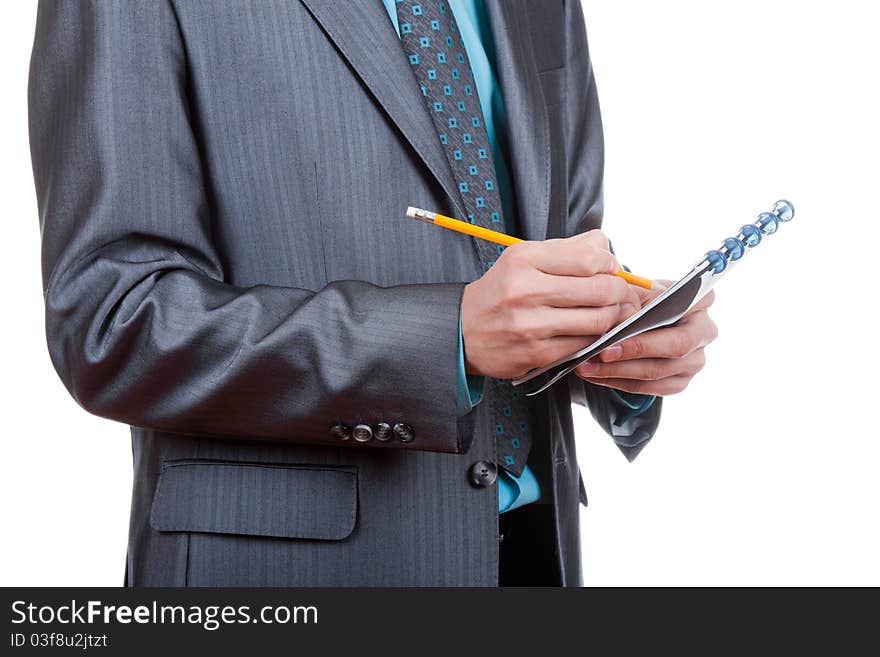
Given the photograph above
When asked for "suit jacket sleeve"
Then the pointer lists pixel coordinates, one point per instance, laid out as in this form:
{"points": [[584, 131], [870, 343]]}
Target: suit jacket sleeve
{"points": [[586, 152], [142, 325]]}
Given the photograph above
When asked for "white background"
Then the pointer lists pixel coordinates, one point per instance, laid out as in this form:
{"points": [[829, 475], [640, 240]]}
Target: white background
{"points": [[764, 472]]}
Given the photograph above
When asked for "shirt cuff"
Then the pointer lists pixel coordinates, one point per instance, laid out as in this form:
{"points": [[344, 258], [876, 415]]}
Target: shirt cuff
{"points": [[469, 391]]}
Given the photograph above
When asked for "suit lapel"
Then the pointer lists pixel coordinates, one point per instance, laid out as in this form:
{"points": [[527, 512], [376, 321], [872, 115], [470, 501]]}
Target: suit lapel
{"points": [[528, 129], [366, 38]]}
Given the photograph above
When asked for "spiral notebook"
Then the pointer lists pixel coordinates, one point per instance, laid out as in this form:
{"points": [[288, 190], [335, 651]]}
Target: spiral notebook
{"points": [[671, 304]]}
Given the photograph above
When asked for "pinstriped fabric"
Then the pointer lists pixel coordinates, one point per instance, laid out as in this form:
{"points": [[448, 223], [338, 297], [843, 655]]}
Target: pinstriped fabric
{"points": [[188, 208], [230, 280], [260, 499]]}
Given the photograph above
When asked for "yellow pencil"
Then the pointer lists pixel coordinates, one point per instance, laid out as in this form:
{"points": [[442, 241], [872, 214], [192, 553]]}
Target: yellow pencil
{"points": [[505, 240]]}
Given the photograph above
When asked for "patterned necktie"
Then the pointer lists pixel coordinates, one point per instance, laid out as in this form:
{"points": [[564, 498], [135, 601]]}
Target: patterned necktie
{"points": [[437, 55]]}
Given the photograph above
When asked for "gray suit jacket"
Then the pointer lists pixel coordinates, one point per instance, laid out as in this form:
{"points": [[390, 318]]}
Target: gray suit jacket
{"points": [[227, 269]]}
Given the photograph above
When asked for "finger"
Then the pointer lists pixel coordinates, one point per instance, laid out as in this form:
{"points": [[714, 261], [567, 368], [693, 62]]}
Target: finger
{"points": [[559, 347], [583, 322], [630, 304], [702, 324], [576, 291], [646, 296], [595, 237], [645, 369], [671, 386], [572, 256], [703, 303], [673, 341]]}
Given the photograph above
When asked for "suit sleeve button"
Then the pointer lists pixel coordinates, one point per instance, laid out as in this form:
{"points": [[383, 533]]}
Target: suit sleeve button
{"points": [[383, 432], [483, 473], [341, 431], [362, 433], [404, 432]]}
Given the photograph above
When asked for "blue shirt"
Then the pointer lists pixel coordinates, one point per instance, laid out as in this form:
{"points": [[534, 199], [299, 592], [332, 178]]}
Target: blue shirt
{"points": [[473, 25]]}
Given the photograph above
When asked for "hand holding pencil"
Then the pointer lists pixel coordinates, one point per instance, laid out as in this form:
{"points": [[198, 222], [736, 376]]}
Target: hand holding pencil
{"points": [[543, 300]]}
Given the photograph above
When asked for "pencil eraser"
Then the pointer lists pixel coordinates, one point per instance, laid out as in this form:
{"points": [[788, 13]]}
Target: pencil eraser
{"points": [[411, 212]]}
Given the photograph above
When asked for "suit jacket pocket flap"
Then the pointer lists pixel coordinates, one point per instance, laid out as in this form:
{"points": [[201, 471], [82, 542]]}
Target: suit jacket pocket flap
{"points": [[257, 499]]}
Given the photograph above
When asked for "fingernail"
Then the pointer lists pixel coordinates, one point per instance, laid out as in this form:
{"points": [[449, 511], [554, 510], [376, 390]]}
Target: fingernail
{"points": [[589, 367], [612, 353]]}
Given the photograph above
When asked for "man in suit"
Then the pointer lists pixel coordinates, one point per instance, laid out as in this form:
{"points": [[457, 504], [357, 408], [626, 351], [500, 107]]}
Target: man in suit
{"points": [[318, 388]]}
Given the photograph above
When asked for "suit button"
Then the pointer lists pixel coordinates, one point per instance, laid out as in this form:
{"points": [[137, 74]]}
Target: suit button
{"points": [[341, 431], [404, 432], [483, 473], [362, 433], [383, 431]]}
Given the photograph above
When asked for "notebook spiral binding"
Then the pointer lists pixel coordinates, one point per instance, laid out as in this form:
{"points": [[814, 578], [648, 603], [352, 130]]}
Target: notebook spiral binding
{"points": [[749, 236]]}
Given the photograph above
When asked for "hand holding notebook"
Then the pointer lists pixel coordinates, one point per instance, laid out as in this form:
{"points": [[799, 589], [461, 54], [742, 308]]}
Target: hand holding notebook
{"points": [[672, 304], [659, 362], [570, 279]]}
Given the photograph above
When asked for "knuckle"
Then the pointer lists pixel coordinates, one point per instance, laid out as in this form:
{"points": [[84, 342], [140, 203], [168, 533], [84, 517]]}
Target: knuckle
{"points": [[533, 334], [611, 318], [671, 388], [596, 262], [681, 344], [713, 330], [654, 371], [517, 293], [590, 260], [596, 236], [505, 289], [601, 287], [522, 254], [630, 296], [619, 288], [517, 254], [606, 318], [637, 347], [527, 331], [599, 262], [511, 289], [517, 326]]}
